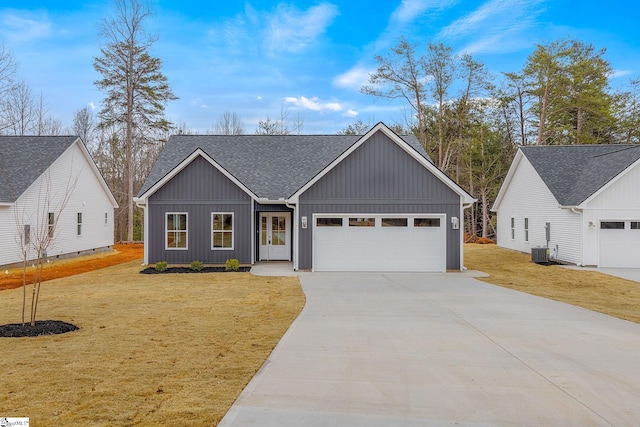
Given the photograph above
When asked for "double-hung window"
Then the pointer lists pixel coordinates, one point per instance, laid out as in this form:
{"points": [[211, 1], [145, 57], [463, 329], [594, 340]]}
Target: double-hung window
{"points": [[221, 231], [52, 223], [79, 225], [513, 229], [176, 230], [526, 230]]}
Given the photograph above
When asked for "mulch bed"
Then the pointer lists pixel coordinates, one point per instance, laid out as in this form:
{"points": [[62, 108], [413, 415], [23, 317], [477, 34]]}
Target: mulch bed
{"points": [[42, 327], [152, 270]]}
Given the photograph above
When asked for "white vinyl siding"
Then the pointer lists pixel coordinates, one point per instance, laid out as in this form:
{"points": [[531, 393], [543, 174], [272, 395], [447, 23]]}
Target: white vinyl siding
{"points": [[528, 197], [71, 173]]}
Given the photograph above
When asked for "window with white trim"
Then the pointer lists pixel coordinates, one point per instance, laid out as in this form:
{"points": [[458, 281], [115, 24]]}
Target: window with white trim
{"points": [[222, 231], [52, 223], [526, 230], [79, 224], [513, 229], [176, 230], [106, 218]]}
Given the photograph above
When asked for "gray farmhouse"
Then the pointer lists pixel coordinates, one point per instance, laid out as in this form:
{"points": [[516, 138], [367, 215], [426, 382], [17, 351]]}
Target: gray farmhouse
{"points": [[372, 202]]}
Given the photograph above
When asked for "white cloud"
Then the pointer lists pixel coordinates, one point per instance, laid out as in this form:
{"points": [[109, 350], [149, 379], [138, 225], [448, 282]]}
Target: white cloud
{"points": [[350, 113], [495, 26], [285, 28], [92, 105], [292, 30], [21, 26], [355, 78], [411, 9], [619, 73], [313, 104]]}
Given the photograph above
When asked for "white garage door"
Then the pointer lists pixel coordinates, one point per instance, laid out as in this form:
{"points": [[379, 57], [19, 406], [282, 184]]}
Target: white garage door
{"points": [[620, 244], [392, 242]]}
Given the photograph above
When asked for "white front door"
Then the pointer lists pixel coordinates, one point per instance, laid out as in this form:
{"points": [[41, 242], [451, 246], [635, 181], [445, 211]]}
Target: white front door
{"points": [[275, 230]]}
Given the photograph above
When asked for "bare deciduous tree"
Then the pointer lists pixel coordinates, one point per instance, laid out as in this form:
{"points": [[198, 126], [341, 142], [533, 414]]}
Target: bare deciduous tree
{"points": [[84, 125], [228, 123], [19, 110], [37, 230]]}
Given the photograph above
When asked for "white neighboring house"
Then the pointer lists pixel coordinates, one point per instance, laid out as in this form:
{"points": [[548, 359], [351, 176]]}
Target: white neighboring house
{"points": [[590, 196], [36, 174]]}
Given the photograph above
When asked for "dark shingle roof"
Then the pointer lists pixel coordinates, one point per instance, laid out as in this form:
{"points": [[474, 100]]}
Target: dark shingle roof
{"points": [[24, 158], [574, 172], [271, 166]]}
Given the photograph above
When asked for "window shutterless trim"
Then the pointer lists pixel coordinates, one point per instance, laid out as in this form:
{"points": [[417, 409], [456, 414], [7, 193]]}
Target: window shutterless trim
{"points": [[222, 232], [167, 231]]}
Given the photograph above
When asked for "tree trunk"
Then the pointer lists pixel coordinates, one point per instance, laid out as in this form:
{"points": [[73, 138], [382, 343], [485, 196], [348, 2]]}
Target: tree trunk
{"points": [[485, 214]]}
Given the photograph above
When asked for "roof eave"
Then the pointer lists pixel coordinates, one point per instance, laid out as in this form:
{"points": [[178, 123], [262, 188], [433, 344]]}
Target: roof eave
{"points": [[466, 197], [142, 199]]}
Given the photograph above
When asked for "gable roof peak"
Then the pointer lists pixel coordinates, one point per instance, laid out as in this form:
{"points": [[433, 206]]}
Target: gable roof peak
{"points": [[271, 166], [573, 173], [24, 158]]}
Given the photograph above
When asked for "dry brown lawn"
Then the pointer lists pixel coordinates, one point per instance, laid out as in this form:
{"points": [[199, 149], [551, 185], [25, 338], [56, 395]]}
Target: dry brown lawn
{"points": [[589, 289], [122, 252], [151, 350]]}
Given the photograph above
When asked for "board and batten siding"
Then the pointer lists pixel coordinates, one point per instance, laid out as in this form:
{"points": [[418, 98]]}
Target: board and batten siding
{"points": [[619, 201], [199, 190], [379, 177], [528, 197], [70, 173]]}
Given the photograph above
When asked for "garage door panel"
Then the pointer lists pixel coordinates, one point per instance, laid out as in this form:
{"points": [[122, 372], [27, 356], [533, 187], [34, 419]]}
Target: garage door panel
{"points": [[361, 248], [620, 247]]}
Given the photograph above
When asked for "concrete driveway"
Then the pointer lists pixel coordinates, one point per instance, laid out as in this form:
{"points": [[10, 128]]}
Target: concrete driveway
{"points": [[442, 349]]}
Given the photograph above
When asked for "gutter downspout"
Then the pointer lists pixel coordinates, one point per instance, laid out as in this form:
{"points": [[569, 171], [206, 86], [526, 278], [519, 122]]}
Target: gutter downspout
{"points": [[143, 205], [293, 206], [463, 206]]}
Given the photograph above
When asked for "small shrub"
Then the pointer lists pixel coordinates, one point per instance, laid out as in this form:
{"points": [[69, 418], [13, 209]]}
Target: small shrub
{"points": [[196, 265], [232, 265], [161, 266]]}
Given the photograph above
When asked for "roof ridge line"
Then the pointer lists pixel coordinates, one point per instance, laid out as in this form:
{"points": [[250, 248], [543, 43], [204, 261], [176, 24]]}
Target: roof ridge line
{"points": [[626, 147]]}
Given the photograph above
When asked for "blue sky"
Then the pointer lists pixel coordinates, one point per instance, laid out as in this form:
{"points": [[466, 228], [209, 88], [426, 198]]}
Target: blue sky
{"points": [[258, 57]]}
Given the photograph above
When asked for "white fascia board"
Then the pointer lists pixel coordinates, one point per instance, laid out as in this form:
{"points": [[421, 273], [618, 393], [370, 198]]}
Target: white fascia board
{"points": [[507, 180], [183, 164], [402, 144], [264, 200], [96, 172], [584, 204]]}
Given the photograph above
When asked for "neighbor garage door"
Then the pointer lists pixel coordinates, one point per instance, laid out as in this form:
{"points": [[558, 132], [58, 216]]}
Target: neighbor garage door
{"points": [[620, 244], [379, 242]]}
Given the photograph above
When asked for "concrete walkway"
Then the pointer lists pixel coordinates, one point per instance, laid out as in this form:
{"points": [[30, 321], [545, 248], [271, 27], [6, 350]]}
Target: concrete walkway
{"points": [[442, 349]]}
